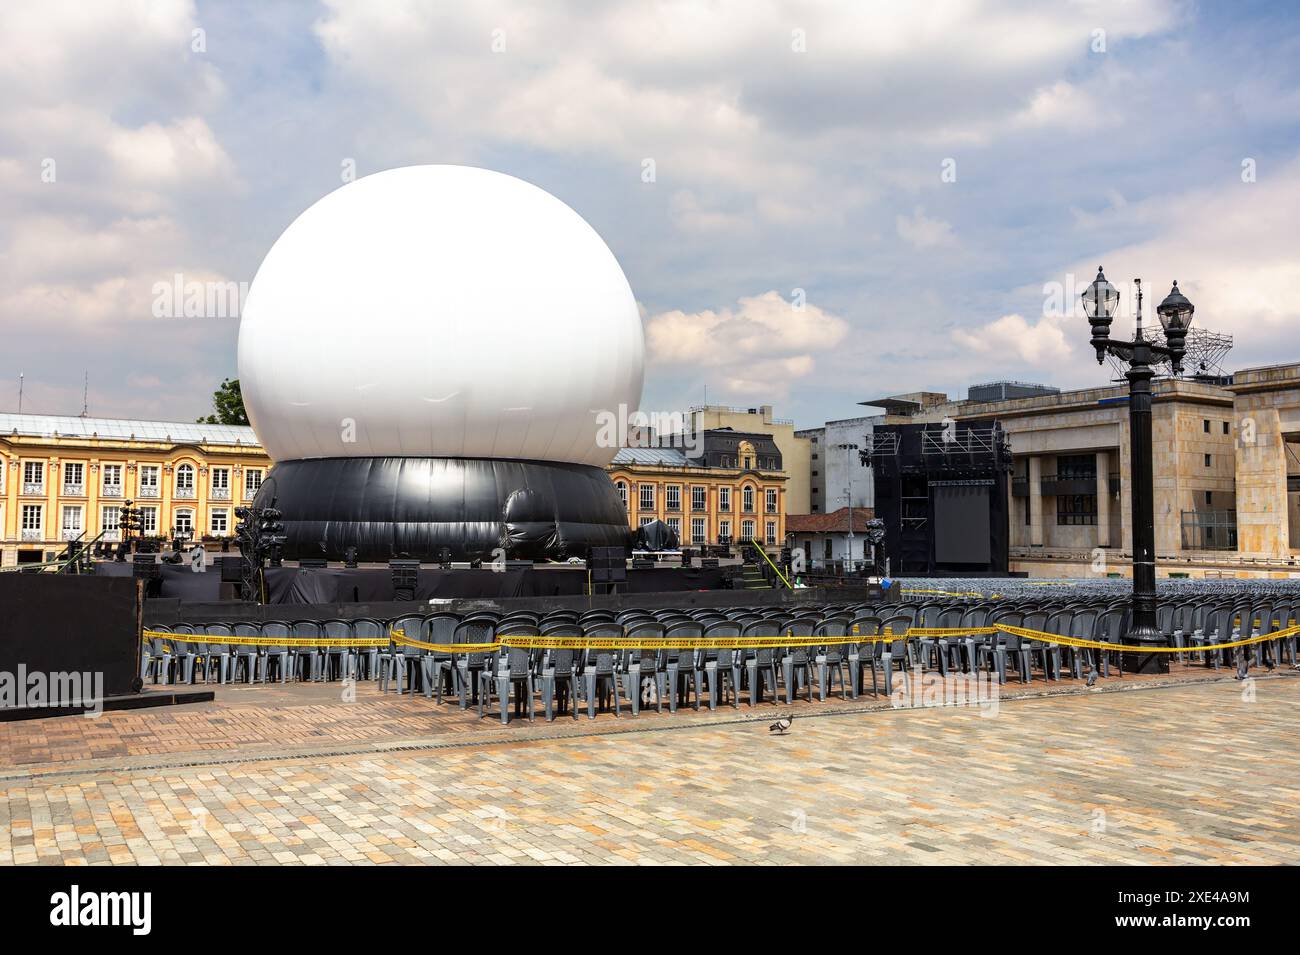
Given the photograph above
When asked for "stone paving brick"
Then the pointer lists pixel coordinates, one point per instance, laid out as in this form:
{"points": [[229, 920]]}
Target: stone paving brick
{"points": [[1182, 774]]}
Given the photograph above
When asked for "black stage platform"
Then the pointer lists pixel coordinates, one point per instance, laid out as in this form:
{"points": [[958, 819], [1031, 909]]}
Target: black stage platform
{"points": [[294, 585]]}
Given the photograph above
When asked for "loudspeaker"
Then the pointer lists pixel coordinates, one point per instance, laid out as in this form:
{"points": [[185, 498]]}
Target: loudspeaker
{"points": [[145, 567], [406, 576], [232, 569], [313, 563]]}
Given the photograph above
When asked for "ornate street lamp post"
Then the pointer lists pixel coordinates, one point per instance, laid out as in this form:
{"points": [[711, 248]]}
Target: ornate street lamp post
{"points": [[1099, 302]]}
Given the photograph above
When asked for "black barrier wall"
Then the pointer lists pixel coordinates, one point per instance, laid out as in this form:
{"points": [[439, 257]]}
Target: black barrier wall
{"points": [[56, 624]]}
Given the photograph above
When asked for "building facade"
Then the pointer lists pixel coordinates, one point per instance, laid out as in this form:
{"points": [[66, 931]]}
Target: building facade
{"points": [[1225, 468], [67, 477], [795, 450], [836, 476], [732, 489], [834, 539]]}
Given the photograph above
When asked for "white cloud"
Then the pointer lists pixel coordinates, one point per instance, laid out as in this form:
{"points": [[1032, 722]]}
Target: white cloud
{"points": [[921, 232], [762, 343], [1042, 344]]}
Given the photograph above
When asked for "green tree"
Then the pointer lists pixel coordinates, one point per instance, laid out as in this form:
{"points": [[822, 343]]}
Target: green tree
{"points": [[228, 401]]}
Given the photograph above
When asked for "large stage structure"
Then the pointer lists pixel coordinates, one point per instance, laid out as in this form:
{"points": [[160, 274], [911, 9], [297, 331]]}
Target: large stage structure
{"points": [[941, 493], [430, 355]]}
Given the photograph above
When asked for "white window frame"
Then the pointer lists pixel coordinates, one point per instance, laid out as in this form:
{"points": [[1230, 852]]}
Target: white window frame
{"points": [[150, 480], [675, 525], [724, 499], [104, 483], [769, 536], [184, 480], [724, 529], [110, 521], [188, 514], [770, 500], [699, 530], [673, 497], [747, 529], [24, 514], [37, 468], [69, 485], [78, 528], [622, 492], [224, 514], [252, 482], [149, 519], [644, 493], [747, 499], [699, 498]]}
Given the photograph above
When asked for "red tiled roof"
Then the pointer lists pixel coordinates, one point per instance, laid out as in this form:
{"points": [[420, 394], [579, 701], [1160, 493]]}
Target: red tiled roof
{"points": [[833, 522]]}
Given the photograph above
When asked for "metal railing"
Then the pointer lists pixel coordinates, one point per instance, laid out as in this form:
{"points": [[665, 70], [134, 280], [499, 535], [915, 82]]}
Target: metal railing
{"points": [[147, 490]]}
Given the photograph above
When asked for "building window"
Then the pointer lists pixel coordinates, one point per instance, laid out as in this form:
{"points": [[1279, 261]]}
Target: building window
{"points": [[1076, 467], [33, 477], [185, 481], [646, 494], [646, 520], [220, 521], [184, 520], [724, 498], [1205, 425], [622, 492], [828, 550], [1227, 428], [770, 496], [747, 499], [110, 517], [724, 532], [699, 499], [1209, 498], [148, 520], [747, 530], [252, 481], [220, 484], [673, 497], [149, 480], [1076, 509], [74, 478], [771, 533], [1209, 460], [675, 525], [698, 535], [72, 527], [31, 522], [112, 483]]}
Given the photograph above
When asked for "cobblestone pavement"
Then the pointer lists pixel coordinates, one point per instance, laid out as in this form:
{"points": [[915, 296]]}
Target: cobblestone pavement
{"points": [[1189, 773]]}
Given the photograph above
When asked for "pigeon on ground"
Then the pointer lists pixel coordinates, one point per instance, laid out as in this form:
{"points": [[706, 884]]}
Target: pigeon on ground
{"points": [[1092, 676], [781, 725]]}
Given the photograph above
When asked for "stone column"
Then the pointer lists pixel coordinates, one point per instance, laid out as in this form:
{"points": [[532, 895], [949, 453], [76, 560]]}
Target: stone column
{"points": [[1035, 501], [1103, 499]]}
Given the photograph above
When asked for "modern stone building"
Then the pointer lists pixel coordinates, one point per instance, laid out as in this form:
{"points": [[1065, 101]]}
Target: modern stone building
{"points": [[1226, 473]]}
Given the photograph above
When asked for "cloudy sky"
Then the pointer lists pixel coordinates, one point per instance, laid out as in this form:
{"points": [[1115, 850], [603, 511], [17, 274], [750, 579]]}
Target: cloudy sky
{"points": [[849, 199]]}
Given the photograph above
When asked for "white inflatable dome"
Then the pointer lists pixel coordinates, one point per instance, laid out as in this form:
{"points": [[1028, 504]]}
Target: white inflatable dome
{"points": [[439, 311]]}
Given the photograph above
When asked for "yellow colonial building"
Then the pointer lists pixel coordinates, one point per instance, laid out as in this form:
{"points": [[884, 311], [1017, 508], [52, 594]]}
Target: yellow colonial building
{"points": [[67, 477], [732, 488]]}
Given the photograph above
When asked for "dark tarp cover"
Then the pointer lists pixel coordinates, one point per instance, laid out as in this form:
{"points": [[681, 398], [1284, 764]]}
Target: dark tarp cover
{"points": [[391, 507], [657, 536]]}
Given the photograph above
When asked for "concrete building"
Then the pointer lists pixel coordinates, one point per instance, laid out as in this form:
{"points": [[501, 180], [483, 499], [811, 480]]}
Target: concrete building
{"points": [[835, 471], [795, 451], [65, 477], [1226, 474]]}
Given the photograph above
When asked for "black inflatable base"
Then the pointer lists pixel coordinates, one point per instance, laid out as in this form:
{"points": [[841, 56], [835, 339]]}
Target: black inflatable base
{"points": [[475, 508], [132, 701]]}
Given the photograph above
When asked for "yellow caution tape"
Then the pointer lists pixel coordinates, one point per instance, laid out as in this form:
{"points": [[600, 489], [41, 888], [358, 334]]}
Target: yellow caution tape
{"points": [[168, 637], [530, 642]]}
